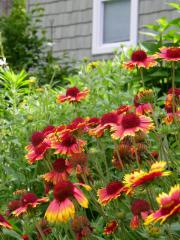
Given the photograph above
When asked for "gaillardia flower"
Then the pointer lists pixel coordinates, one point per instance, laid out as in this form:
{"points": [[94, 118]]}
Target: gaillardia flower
{"points": [[169, 206], [61, 209], [4, 223], [81, 227], [78, 125], [12, 206], [140, 177], [129, 124], [140, 209], [73, 95], [106, 122], [61, 171], [39, 145], [110, 228], [112, 191], [140, 59], [169, 53], [29, 200], [68, 144]]}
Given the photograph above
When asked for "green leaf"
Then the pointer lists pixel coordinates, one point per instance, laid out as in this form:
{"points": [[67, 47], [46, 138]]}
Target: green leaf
{"points": [[12, 234]]}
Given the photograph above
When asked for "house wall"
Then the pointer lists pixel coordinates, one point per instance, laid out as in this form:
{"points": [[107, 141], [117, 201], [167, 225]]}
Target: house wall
{"points": [[69, 23]]}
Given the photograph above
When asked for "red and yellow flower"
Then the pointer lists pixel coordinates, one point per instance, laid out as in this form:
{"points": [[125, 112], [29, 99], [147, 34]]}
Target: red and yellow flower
{"points": [[112, 191], [28, 200], [130, 124], [169, 119], [12, 206], [61, 209], [73, 95], [4, 223], [110, 228], [140, 209], [140, 59], [61, 171], [106, 122], [68, 144], [77, 125], [169, 54], [145, 108], [39, 145], [140, 177], [169, 206]]}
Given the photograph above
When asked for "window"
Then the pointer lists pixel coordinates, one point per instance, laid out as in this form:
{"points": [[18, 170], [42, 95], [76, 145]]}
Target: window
{"points": [[114, 22]]}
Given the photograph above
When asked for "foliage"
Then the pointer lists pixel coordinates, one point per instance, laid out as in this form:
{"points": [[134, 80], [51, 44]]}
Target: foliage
{"points": [[161, 33], [110, 86], [26, 108], [22, 40], [25, 46]]}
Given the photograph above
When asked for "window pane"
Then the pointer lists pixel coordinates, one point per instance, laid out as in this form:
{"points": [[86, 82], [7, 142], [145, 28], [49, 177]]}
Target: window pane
{"points": [[116, 21]]}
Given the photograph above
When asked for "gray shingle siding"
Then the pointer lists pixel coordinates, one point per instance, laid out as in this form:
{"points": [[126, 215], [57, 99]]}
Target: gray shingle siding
{"points": [[72, 23]]}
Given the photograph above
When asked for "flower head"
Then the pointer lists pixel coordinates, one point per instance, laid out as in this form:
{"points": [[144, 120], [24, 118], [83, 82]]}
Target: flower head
{"points": [[61, 209], [4, 223], [73, 95], [77, 125], [12, 206], [138, 178], [140, 59], [61, 171], [106, 122], [28, 200], [130, 123], [39, 145], [169, 205], [112, 191], [68, 144], [140, 209], [111, 227], [81, 227], [169, 53]]}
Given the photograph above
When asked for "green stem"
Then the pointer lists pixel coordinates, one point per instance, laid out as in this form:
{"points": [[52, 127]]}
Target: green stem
{"points": [[142, 77]]}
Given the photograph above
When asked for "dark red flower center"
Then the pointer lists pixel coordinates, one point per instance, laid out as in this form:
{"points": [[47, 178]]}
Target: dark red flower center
{"points": [[109, 118], [28, 198], [72, 92], [37, 138], [130, 120], [14, 204], [63, 190], [59, 165], [113, 187], [173, 52], [139, 206], [138, 56], [68, 140]]}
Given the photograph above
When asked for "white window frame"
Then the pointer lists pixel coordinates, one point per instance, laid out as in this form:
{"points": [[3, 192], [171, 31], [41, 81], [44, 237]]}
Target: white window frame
{"points": [[98, 47]]}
